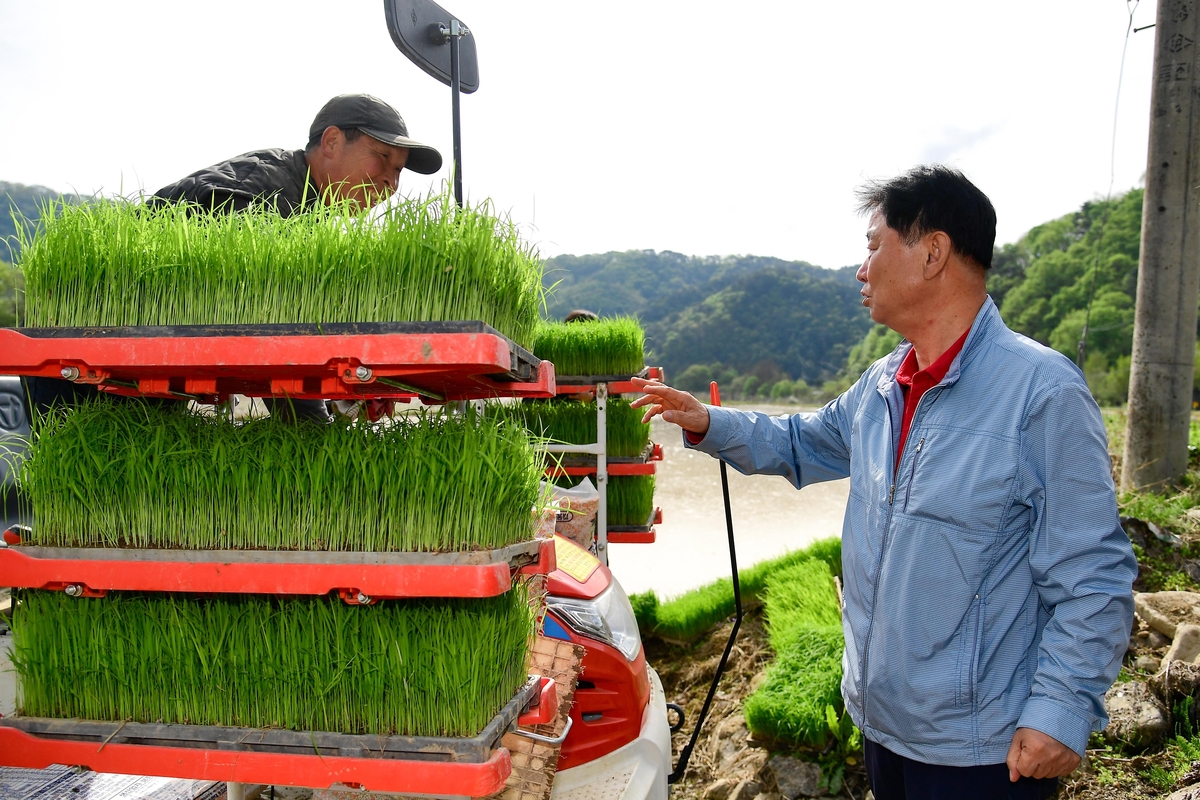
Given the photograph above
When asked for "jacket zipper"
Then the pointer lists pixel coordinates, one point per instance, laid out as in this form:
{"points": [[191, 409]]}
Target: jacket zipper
{"points": [[974, 648], [887, 527]]}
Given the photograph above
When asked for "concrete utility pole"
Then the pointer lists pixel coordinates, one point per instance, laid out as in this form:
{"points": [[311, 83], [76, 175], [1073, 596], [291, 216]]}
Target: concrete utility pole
{"points": [[1164, 336]]}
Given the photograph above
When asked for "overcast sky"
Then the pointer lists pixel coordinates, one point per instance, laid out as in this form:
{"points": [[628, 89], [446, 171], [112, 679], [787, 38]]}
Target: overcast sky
{"points": [[699, 127]]}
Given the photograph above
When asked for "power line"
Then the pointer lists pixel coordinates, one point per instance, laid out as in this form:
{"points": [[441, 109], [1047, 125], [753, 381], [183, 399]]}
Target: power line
{"points": [[1130, 8]]}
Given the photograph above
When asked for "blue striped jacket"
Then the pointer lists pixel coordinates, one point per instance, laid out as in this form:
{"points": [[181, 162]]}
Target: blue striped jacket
{"points": [[987, 581]]}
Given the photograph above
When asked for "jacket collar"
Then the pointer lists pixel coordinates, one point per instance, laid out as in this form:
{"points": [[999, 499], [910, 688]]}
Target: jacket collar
{"points": [[982, 330]]}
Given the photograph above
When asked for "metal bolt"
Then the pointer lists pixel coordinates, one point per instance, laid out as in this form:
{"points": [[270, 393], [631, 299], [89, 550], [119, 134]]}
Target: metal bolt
{"points": [[74, 590], [69, 373], [362, 599], [362, 373]]}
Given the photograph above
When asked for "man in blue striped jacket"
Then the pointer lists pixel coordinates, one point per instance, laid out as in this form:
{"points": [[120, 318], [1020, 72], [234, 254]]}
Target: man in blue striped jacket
{"points": [[988, 583]]}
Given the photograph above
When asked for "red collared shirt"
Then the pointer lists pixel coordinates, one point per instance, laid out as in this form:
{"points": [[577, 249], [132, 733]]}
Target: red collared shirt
{"points": [[913, 384]]}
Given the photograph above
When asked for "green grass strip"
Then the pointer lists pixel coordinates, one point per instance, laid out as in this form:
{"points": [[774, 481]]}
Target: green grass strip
{"points": [[806, 677], [691, 614], [134, 474], [630, 499], [420, 668], [109, 262], [575, 423], [608, 346], [806, 633]]}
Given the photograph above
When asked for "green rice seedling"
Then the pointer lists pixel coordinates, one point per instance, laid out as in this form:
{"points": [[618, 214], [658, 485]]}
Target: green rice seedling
{"points": [[609, 346], [801, 595], [134, 474], [806, 634], [575, 423], [806, 677], [110, 263], [420, 668], [685, 617], [630, 499]]}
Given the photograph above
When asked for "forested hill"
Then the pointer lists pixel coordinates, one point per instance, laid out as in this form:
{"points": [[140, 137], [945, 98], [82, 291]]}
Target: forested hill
{"points": [[721, 317], [22, 205]]}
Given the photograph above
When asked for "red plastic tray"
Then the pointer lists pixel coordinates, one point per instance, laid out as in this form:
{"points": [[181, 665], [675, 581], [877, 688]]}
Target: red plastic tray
{"points": [[357, 577], [449, 361], [617, 384], [20, 749]]}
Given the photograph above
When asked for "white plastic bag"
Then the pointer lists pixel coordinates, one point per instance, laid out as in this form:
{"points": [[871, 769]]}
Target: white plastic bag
{"points": [[577, 508]]}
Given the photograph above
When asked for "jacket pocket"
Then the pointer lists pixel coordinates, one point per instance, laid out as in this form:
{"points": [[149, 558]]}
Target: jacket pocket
{"points": [[912, 473]]}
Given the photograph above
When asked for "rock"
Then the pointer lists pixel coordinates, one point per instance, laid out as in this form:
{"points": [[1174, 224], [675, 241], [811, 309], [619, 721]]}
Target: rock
{"points": [[749, 766], [746, 790], [1190, 793], [757, 681], [1191, 776], [795, 778], [720, 790], [1186, 645], [1137, 719], [1164, 611], [1192, 567], [1176, 681], [1147, 663], [1157, 641]]}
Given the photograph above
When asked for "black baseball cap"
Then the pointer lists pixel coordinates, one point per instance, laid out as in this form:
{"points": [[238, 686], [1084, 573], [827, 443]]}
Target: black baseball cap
{"points": [[378, 120]]}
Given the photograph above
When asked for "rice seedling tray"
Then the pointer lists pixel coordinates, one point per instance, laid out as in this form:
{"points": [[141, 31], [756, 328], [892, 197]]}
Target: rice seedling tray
{"points": [[358, 577], [474, 767], [436, 361], [577, 464], [617, 384], [636, 534]]}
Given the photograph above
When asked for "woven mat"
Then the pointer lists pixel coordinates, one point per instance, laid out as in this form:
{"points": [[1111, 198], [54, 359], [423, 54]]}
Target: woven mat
{"points": [[533, 762]]}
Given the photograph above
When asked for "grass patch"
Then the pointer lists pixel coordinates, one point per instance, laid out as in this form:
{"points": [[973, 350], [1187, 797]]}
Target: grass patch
{"points": [[139, 475], [575, 423], [805, 678], [109, 262], [421, 668], [802, 688], [609, 346], [692, 613]]}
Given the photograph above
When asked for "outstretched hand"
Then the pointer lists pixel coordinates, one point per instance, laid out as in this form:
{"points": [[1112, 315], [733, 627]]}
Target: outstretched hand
{"points": [[673, 405], [1034, 754]]}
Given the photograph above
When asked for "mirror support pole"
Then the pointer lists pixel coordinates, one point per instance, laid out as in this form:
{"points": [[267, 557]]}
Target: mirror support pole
{"points": [[456, 30]]}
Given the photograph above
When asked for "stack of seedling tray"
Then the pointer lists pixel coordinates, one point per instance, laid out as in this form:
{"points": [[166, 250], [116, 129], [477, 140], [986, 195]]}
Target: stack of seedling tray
{"points": [[278, 602], [598, 434]]}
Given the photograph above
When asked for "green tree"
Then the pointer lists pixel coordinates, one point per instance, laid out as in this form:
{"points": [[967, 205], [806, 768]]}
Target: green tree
{"points": [[878, 342], [12, 295]]}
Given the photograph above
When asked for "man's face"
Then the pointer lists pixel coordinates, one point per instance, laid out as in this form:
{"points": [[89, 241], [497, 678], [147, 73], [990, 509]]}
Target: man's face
{"points": [[365, 171], [891, 275]]}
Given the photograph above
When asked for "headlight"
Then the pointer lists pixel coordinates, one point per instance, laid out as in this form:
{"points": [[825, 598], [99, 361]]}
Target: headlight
{"points": [[609, 618]]}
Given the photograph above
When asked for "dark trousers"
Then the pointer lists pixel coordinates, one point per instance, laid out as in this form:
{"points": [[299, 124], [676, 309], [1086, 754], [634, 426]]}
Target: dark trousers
{"points": [[894, 777]]}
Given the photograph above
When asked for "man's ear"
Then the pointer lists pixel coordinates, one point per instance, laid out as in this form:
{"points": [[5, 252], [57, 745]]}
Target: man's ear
{"points": [[937, 253], [331, 141]]}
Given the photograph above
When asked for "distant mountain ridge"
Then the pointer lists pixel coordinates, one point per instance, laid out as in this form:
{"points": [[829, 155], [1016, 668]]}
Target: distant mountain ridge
{"points": [[21, 204], [741, 312]]}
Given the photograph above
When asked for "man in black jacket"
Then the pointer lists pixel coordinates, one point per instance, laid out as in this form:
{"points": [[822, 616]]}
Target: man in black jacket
{"points": [[357, 146]]}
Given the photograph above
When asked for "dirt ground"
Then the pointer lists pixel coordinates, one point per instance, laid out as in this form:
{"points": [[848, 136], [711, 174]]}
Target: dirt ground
{"points": [[725, 751]]}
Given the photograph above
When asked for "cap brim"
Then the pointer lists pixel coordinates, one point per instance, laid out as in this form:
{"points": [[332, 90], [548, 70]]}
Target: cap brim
{"points": [[421, 157]]}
